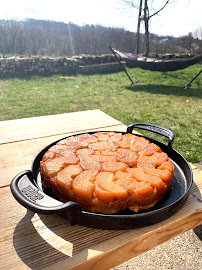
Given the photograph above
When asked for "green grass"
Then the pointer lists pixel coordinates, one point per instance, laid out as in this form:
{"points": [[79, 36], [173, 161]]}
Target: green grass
{"points": [[157, 98]]}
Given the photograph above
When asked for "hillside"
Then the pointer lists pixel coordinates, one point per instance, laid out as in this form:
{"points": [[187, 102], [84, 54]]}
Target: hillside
{"points": [[51, 38]]}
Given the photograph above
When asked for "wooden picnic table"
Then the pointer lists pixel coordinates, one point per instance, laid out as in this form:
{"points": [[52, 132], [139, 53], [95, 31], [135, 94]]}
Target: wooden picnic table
{"points": [[35, 241]]}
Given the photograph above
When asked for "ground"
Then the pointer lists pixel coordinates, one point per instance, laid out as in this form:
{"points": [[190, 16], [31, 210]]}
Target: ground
{"points": [[180, 253]]}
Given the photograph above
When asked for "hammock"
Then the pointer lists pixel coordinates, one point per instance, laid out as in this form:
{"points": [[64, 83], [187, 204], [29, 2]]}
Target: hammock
{"points": [[155, 64]]}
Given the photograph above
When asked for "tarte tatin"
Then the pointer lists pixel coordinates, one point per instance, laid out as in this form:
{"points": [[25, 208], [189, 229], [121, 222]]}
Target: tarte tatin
{"points": [[107, 171]]}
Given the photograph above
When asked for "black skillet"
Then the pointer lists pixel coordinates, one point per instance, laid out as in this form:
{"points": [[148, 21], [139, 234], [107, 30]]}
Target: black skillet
{"points": [[27, 189]]}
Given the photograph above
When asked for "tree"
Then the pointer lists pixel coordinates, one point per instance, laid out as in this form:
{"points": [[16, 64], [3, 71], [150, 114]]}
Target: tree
{"points": [[197, 33], [12, 36], [3, 40], [145, 6]]}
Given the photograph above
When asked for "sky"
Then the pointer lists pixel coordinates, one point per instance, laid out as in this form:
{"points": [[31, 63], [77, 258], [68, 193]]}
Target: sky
{"points": [[177, 19]]}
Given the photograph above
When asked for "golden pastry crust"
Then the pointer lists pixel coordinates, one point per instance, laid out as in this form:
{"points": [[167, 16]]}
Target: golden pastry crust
{"points": [[107, 172]]}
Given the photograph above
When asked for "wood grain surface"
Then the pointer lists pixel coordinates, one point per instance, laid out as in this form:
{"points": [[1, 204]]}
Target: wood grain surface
{"points": [[34, 241], [38, 127]]}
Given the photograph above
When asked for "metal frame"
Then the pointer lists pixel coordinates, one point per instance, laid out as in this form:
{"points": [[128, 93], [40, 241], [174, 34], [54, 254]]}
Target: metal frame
{"points": [[115, 54], [192, 80]]}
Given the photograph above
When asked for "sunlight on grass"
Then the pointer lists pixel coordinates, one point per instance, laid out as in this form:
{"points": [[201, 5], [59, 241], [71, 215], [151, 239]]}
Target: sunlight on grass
{"points": [[157, 98]]}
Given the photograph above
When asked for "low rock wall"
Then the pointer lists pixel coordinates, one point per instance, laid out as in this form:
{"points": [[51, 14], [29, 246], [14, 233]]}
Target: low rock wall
{"points": [[47, 65], [85, 64], [102, 68]]}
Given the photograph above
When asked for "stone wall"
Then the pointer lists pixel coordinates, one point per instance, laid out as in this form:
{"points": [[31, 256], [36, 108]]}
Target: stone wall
{"points": [[46, 65], [85, 64]]}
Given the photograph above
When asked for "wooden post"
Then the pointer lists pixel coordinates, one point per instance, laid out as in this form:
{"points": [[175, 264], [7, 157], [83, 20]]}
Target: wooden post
{"points": [[138, 28]]}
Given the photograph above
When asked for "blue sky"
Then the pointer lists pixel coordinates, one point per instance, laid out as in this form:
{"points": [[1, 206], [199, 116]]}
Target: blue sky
{"points": [[178, 18]]}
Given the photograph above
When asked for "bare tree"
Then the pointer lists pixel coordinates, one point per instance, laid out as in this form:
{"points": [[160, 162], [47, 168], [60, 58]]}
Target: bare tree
{"points": [[12, 36], [197, 33], [3, 40], [145, 15], [49, 38]]}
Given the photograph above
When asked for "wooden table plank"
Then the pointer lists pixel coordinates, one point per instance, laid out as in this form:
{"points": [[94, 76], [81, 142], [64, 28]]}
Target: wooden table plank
{"points": [[19, 145], [49, 242], [18, 156], [33, 241], [38, 127]]}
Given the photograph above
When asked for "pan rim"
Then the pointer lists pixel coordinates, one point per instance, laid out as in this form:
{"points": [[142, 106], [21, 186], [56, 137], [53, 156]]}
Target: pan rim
{"points": [[147, 212]]}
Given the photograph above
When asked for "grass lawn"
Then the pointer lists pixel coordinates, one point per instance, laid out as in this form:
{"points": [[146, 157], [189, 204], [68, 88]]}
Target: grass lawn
{"points": [[157, 98]]}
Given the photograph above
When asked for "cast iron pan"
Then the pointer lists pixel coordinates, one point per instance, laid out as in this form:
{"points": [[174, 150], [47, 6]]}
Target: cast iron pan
{"points": [[27, 189]]}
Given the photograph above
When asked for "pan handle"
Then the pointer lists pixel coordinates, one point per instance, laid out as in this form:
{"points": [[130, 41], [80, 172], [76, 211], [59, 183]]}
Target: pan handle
{"points": [[29, 196], [156, 129]]}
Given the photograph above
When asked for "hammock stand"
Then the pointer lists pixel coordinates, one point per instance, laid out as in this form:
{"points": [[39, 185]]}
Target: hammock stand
{"points": [[153, 64], [192, 80], [117, 58]]}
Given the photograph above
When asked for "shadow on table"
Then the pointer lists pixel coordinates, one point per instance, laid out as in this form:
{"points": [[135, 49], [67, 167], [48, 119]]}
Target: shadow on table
{"points": [[49, 241], [32, 249], [53, 240]]}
